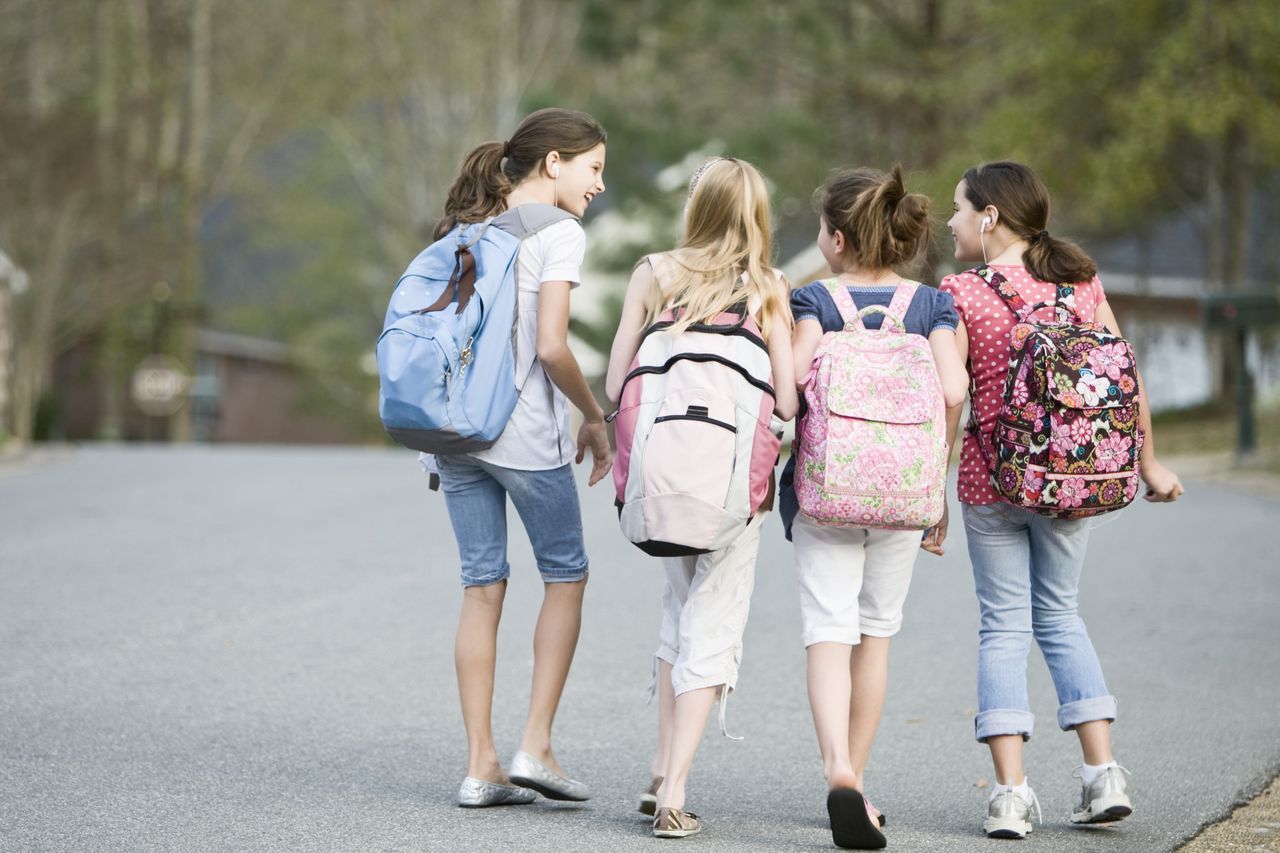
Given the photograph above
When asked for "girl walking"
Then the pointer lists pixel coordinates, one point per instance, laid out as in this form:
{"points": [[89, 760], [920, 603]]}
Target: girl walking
{"points": [[721, 262], [555, 157], [1027, 566], [853, 580]]}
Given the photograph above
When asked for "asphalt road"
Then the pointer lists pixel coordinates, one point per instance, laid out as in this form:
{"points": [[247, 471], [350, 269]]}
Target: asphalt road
{"points": [[250, 649]]}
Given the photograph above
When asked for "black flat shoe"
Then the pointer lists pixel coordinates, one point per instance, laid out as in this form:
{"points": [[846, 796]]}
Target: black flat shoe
{"points": [[851, 826]]}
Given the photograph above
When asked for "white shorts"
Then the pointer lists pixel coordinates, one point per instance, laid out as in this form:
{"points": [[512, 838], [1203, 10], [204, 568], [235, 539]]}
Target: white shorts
{"points": [[704, 612], [853, 581]]}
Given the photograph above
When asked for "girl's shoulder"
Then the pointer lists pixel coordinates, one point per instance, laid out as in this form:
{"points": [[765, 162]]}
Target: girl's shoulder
{"points": [[566, 229], [960, 282]]}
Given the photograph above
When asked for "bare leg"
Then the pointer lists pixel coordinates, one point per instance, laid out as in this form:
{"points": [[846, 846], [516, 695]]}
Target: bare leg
{"points": [[475, 654], [554, 641], [666, 719], [829, 701], [690, 718], [869, 673], [1006, 755], [1095, 741]]}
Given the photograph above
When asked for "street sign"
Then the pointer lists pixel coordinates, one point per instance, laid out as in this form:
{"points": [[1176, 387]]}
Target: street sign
{"points": [[159, 385], [1240, 310]]}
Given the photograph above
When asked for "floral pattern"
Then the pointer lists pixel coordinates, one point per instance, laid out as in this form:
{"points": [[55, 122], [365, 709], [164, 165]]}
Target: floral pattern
{"points": [[1067, 442], [872, 448]]}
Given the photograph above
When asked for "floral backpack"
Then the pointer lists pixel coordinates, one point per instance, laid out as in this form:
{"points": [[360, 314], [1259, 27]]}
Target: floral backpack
{"points": [[873, 447], [1066, 442]]}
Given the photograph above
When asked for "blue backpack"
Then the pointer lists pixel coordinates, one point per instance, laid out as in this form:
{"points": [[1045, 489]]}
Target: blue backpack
{"points": [[446, 356]]}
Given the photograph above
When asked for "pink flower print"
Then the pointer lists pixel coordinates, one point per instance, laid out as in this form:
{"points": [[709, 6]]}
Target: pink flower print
{"points": [[1032, 485], [1071, 399], [1082, 430], [1072, 493], [1021, 393], [1127, 384], [1094, 389], [1112, 453], [1131, 487], [879, 467], [1109, 360], [1063, 443]]}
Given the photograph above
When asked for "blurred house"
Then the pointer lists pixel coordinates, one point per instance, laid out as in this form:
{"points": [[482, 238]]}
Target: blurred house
{"points": [[245, 389]]}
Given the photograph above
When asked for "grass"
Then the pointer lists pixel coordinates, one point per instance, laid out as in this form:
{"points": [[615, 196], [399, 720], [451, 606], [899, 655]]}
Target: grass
{"points": [[1212, 429]]}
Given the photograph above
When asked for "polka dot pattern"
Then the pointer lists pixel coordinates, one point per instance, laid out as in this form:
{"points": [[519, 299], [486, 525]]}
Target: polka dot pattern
{"points": [[988, 322]]}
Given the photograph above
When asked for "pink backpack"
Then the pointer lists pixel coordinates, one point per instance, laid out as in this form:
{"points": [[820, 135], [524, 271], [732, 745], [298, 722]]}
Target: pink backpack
{"points": [[873, 448], [696, 447]]}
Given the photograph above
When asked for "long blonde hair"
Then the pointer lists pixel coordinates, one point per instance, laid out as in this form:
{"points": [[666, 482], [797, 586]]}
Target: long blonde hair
{"points": [[727, 234]]}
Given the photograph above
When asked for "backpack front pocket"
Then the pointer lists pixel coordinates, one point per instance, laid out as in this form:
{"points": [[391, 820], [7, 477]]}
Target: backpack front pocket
{"points": [[692, 447]]}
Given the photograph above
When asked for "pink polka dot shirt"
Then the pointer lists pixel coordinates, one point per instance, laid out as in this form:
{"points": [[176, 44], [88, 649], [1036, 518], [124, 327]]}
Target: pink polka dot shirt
{"points": [[988, 321]]}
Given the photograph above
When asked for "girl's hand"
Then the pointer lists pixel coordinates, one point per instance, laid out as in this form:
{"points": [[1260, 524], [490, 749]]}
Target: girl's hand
{"points": [[934, 536], [595, 435], [1163, 486]]}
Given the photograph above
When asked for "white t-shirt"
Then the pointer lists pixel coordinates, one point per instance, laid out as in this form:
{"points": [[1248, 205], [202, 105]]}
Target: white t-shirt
{"points": [[537, 437]]}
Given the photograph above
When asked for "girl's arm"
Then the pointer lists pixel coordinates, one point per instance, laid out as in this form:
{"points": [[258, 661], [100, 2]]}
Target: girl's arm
{"points": [[562, 368], [631, 325], [936, 535], [951, 372], [804, 343], [1162, 484], [786, 400]]}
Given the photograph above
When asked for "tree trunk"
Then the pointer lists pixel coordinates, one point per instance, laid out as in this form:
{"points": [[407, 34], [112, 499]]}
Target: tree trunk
{"points": [[188, 298]]}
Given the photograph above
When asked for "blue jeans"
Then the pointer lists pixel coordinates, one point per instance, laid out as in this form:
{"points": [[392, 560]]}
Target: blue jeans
{"points": [[1026, 572], [476, 494]]}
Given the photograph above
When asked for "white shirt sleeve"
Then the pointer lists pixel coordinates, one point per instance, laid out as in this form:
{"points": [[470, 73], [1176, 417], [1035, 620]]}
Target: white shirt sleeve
{"points": [[564, 246]]}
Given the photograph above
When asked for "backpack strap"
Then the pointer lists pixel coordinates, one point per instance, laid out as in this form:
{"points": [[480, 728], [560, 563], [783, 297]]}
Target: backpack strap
{"points": [[895, 311], [525, 220], [844, 304], [901, 302], [1063, 304], [1006, 292]]}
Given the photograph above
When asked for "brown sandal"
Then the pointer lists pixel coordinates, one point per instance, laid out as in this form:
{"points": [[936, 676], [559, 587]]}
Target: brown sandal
{"points": [[674, 823]]}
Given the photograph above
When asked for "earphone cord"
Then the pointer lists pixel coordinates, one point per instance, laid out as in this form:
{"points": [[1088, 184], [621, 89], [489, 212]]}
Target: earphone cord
{"points": [[982, 239]]}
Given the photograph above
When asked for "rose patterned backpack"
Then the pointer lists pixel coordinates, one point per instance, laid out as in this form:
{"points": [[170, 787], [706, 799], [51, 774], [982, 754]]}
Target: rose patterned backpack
{"points": [[873, 447], [1066, 442]]}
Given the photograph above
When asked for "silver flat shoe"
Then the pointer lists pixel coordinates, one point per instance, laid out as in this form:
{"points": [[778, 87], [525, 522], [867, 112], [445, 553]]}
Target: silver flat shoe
{"points": [[477, 794], [532, 773]]}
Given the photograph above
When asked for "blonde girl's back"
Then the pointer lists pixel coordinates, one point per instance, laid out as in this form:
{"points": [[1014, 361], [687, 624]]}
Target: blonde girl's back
{"points": [[721, 262]]}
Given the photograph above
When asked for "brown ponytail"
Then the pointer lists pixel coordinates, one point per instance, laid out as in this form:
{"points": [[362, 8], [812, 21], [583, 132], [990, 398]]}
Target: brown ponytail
{"points": [[884, 225], [492, 169], [1023, 201]]}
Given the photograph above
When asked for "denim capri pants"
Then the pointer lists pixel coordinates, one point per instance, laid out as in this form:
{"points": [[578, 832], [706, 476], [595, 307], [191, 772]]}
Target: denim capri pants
{"points": [[547, 501]]}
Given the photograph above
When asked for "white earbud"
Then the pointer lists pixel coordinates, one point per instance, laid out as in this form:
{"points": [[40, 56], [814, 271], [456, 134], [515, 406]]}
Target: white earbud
{"points": [[986, 220], [555, 170]]}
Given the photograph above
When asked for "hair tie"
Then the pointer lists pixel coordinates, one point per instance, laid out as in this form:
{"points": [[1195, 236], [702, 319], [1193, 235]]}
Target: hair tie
{"points": [[1040, 235]]}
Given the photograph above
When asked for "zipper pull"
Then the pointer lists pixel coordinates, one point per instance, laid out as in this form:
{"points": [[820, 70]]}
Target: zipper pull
{"points": [[464, 357], [609, 417]]}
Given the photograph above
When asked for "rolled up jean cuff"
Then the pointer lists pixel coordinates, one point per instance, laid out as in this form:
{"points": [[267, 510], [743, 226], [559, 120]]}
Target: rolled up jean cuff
{"points": [[1081, 711], [1003, 721]]}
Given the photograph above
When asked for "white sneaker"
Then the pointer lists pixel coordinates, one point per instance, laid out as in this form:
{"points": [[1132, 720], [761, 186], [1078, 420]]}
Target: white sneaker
{"points": [[1009, 815], [1103, 799]]}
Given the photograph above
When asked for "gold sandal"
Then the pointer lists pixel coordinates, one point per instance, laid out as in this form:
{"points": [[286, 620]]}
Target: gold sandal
{"points": [[674, 823]]}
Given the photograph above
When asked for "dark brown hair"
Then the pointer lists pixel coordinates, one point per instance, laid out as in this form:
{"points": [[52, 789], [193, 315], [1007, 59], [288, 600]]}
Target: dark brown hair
{"points": [[883, 224], [492, 169], [1023, 201]]}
